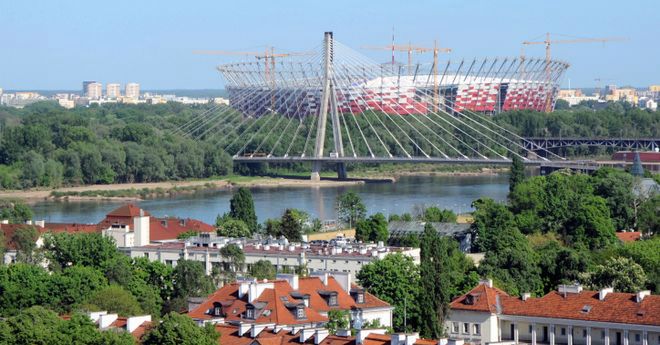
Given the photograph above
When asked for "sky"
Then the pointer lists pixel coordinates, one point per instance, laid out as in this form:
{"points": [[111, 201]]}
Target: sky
{"points": [[47, 45]]}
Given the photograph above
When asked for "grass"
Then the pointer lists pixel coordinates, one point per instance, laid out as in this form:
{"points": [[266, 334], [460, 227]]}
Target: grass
{"points": [[132, 192]]}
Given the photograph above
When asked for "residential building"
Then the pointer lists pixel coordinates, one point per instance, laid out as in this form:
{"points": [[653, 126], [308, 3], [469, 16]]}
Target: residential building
{"points": [[284, 256], [66, 103], [132, 90], [113, 91], [292, 301], [85, 85], [570, 316], [622, 94], [575, 96], [654, 88], [94, 90], [459, 231], [648, 103], [137, 326]]}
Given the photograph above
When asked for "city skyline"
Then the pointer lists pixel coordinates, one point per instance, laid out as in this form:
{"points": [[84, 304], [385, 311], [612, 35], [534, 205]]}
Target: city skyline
{"points": [[139, 42]]}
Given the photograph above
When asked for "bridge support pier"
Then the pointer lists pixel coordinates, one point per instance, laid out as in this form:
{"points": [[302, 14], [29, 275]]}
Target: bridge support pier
{"points": [[341, 171], [316, 171]]}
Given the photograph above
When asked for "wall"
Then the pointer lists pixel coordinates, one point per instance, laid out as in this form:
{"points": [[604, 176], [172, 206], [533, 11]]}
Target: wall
{"points": [[487, 322]]}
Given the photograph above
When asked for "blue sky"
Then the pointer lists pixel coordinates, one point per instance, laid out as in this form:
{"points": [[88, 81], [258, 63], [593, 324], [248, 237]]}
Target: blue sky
{"points": [[49, 44]]}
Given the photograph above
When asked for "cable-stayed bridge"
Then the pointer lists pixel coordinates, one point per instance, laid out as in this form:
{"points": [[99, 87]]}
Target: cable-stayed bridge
{"points": [[336, 106]]}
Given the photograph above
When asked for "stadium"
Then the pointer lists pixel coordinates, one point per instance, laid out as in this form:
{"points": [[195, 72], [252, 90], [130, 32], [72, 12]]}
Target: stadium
{"points": [[292, 84]]}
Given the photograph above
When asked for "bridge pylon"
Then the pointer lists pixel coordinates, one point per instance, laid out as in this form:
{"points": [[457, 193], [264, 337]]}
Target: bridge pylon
{"points": [[328, 104]]}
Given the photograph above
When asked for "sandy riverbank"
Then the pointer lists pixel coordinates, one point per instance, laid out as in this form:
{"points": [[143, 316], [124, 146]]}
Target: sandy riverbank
{"points": [[166, 187]]}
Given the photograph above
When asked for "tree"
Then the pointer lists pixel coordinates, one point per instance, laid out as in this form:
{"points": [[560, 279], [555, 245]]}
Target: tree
{"points": [[15, 211], [646, 254], [434, 214], [373, 229], [560, 265], [291, 226], [187, 234], [350, 208], [241, 207], [25, 239], [113, 299], [235, 255], [75, 285], [509, 258], [179, 329], [337, 319], [234, 228], [262, 269], [620, 273], [517, 173], [91, 250], [394, 279], [434, 292], [273, 227], [190, 280], [23, 286]]}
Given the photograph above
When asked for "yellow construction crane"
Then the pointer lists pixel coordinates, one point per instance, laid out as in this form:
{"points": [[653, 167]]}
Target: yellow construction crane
{"points": [[548, 44]]}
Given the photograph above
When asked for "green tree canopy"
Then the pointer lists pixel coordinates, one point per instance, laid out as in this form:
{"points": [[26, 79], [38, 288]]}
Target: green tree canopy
{"points": [[517, 173], [434, 214], [262, 269], [91, 250], [15, 211], [373, 229], [241, 207], [234, 228], [350, 208], [620, 273], [113, 299], [291, 226], [176, 329]]}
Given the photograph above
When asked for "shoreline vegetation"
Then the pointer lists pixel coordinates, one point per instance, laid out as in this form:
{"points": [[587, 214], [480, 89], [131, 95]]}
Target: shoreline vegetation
{"points": [[122, 192]]}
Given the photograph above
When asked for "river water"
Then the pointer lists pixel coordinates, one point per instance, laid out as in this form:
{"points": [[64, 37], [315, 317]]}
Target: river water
{"points": [[450, 192]]}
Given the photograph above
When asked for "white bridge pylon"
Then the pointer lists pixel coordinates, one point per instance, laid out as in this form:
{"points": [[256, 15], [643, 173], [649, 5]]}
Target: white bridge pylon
{"points": [[278, 110]]}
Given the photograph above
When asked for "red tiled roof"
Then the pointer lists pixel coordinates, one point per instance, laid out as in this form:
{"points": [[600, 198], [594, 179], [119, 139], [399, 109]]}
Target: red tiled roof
{"points": [[629, 236], [229, 336], [275, 299], [370, 301], [615, 307], [483, 299], [170, 228], [128, 210]]}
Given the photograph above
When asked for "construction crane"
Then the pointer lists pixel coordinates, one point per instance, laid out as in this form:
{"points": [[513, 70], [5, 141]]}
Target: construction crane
{"points": [[409, 48], [548, 44], [269, 63]]}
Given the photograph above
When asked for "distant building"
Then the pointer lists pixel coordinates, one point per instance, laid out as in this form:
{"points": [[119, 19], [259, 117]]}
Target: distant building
{"points": [[568, 316], [575, 96], [648, 103], [654, 88], [85, 85], [460, 232], [94, 90], [66, 103], [113, 91], [132, 90], [622, 94]]}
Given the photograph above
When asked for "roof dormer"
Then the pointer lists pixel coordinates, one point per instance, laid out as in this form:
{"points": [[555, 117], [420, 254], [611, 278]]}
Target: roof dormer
{"points": [[330, 297]]}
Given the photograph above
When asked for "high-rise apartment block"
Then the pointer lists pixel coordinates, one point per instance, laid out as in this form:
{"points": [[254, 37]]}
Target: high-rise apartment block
{"points": [[133, 90], [85, 85], [113, 91], [94, 90]]}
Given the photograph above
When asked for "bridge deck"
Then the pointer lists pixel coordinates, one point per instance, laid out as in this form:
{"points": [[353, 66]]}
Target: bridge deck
{"points": [[475, 161]]}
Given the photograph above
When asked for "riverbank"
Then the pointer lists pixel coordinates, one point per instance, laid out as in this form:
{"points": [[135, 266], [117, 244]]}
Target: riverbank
{"points": [[124, 192]]}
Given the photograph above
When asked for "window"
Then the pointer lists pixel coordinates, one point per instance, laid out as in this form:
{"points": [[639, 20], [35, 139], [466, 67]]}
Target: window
{"points": [[530, 329], [168, 262], [602, 334], [466, 328], [584, 333], [454, 327], [477, 329], [249, 313], [360, 298], [146, 255], [637, 337], [300, 313], [217, 311], [333, 300], [563, 331]]}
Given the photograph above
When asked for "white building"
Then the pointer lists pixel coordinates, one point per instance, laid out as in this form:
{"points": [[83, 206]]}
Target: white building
{"points": [[568, 316], [113, 90], [283, 256], [132, 90]]}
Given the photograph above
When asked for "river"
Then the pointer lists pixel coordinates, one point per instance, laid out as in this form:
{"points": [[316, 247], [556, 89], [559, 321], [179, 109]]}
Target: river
{"points": [[450, 192]]}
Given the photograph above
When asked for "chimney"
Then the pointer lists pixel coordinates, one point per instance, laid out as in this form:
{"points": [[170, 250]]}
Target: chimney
{"points": [[343, 332], [603, 292], [411, 338], [640, 295], [344, 280], [257, 328], [526, 296], [291, 278], [455, 342], [29, 222], [566, 289], [362, 334], [320, 335], [4, 221], [132, 323], [323, 275], [487, 282], [40, 223], [397, 338], [306, 333], [96, 315], [443, 341], [141, 229], [243, 328], [106, 320]]}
